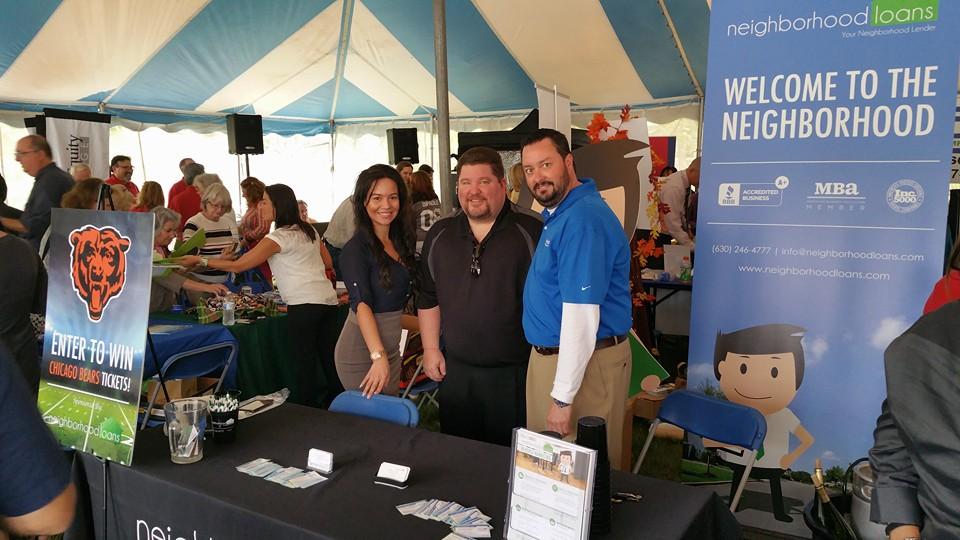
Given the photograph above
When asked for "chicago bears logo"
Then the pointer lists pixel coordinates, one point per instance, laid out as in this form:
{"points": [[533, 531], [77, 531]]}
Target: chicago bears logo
{"points": [[98, 266]]}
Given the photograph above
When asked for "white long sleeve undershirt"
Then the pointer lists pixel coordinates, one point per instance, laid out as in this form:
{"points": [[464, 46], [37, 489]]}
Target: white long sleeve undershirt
{"points": [[578, 339]]}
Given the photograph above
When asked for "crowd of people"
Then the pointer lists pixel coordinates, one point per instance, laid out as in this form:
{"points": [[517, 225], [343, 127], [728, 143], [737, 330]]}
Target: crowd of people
{"points": [[397, 259], [524, 318]]}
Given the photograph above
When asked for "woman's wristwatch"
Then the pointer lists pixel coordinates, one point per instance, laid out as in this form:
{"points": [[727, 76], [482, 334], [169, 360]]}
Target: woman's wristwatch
{"points": [[377, 355]]}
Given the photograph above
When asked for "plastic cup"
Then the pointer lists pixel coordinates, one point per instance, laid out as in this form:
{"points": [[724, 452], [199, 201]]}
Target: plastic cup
{"points": [[186, 424]]}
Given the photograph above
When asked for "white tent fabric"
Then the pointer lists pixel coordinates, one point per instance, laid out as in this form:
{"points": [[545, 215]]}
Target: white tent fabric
{"points": [[304, 162], [304, 64], [350, 68]]}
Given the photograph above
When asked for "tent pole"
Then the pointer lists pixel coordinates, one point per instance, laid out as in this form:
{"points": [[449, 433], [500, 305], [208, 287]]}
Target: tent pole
{"points": [[443, 105], [700, 130]]}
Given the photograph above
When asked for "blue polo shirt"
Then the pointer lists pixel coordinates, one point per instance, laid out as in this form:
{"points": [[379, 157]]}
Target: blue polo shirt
{"points": [[582, 258]]}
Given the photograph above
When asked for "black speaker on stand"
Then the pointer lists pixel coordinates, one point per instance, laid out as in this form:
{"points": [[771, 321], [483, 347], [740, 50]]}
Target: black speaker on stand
{"points": [[245, 135], [402, 145]]}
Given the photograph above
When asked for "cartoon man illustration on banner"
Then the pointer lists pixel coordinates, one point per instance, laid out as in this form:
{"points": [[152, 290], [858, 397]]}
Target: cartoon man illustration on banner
{"points": [[762, 367], [566, 466]]}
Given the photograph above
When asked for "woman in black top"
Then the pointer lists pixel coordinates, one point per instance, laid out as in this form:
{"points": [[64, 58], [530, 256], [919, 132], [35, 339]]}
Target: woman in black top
{"points": [[376, 266]]}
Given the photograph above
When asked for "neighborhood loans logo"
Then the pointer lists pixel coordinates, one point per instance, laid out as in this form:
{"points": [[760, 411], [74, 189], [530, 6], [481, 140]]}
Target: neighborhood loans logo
{"points": [[836, 196], [876, 13], [904, 196]]}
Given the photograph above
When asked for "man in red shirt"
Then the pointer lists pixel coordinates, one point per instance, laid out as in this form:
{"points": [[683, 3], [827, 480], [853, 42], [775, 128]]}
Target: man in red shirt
{"points": [[121, 171], [181, 184], [187, 203]]}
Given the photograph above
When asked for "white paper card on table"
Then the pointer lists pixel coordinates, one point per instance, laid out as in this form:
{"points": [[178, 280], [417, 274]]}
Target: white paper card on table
{"points": [[320, 460], [392, 471], [306, 480], [411, 508], [476, 531]]}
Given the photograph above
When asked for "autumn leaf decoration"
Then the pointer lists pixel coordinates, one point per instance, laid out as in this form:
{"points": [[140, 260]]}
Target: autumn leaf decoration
{"points": [[598, 126]]}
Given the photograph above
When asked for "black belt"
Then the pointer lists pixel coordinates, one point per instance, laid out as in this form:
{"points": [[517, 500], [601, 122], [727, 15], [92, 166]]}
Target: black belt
{"points": [[601, 344]]}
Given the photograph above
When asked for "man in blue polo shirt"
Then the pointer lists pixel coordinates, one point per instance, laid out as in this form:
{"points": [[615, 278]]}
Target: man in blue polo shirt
{"points": [[576, 302]]}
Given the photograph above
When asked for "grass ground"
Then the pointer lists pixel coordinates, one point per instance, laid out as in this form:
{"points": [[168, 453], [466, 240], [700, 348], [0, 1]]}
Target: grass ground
{"points": [[692, 472]]}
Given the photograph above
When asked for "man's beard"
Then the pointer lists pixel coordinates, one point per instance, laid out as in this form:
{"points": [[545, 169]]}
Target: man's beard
{"points": [[559, 190], [483, 213]]}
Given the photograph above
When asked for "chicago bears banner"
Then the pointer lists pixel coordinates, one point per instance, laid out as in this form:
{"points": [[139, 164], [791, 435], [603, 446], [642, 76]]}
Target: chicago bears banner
{"points": [[826, 161], [93, 348]]}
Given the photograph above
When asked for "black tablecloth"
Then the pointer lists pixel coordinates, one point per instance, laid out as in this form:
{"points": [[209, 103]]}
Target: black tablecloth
{"points": [[210, 499]]}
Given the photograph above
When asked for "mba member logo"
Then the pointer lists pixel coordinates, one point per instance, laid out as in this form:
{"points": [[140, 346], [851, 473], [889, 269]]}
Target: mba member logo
{"points": [[836, 195], [904, 196]]}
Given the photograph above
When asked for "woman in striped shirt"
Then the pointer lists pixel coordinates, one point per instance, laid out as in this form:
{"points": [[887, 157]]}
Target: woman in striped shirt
{"points": [[221, 232]]}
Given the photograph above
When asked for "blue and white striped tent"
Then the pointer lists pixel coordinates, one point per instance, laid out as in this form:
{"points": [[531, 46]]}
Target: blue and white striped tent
{"points": [[307, 64]]}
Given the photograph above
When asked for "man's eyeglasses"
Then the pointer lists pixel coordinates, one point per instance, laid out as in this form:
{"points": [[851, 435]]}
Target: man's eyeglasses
{"points": [[21, 154], [475, 261]]}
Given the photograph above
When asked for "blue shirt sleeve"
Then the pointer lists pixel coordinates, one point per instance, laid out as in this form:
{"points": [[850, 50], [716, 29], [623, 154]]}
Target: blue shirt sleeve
{"points": [[356, 262], [583, 266], [36, 217], [33, 469]]}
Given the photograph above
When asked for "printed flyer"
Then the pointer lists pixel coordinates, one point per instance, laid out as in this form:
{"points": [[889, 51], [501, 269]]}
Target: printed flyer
{"points": [[551, 488]]}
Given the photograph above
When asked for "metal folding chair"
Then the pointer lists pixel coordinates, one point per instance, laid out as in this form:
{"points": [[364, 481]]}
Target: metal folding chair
{"points": [[180, 366], [425, 391], [722, 421], [379, 407]]}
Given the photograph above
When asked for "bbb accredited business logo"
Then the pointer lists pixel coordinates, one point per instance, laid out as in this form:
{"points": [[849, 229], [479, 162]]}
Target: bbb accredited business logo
{"points": [[750, 194]]}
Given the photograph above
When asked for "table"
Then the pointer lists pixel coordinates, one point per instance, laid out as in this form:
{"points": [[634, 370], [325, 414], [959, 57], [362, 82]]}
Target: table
{"points": [[264, 364], [186, 338], [653, 285], [210, 499]]}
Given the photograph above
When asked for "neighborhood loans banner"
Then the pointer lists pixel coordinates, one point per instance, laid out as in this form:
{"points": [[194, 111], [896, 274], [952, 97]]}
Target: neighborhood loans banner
{"points": [[822, 212]]}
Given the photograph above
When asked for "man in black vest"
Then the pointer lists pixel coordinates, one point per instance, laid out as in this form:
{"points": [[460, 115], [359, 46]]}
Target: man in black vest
{"points": [[474, 265]]}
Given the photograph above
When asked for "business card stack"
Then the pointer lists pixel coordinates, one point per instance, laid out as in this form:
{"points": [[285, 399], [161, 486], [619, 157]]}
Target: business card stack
{"points": [[466, 522], [290, 477]]}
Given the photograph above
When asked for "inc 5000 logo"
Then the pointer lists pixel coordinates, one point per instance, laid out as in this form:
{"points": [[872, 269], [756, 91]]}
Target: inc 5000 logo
{"points": [[876, 13]]}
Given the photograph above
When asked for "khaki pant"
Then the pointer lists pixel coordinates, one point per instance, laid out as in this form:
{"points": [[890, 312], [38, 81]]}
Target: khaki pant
{"points": [[603, 393]]}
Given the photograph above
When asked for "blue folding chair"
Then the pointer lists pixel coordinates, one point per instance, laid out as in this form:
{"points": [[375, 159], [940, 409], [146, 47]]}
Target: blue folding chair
{"points": [[189, 364], [421, 392], [379, 407], [711, 418]]}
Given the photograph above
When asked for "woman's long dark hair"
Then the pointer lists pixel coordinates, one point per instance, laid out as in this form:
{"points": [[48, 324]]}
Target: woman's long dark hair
{"points": [[287, 212], [401, 233]]}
